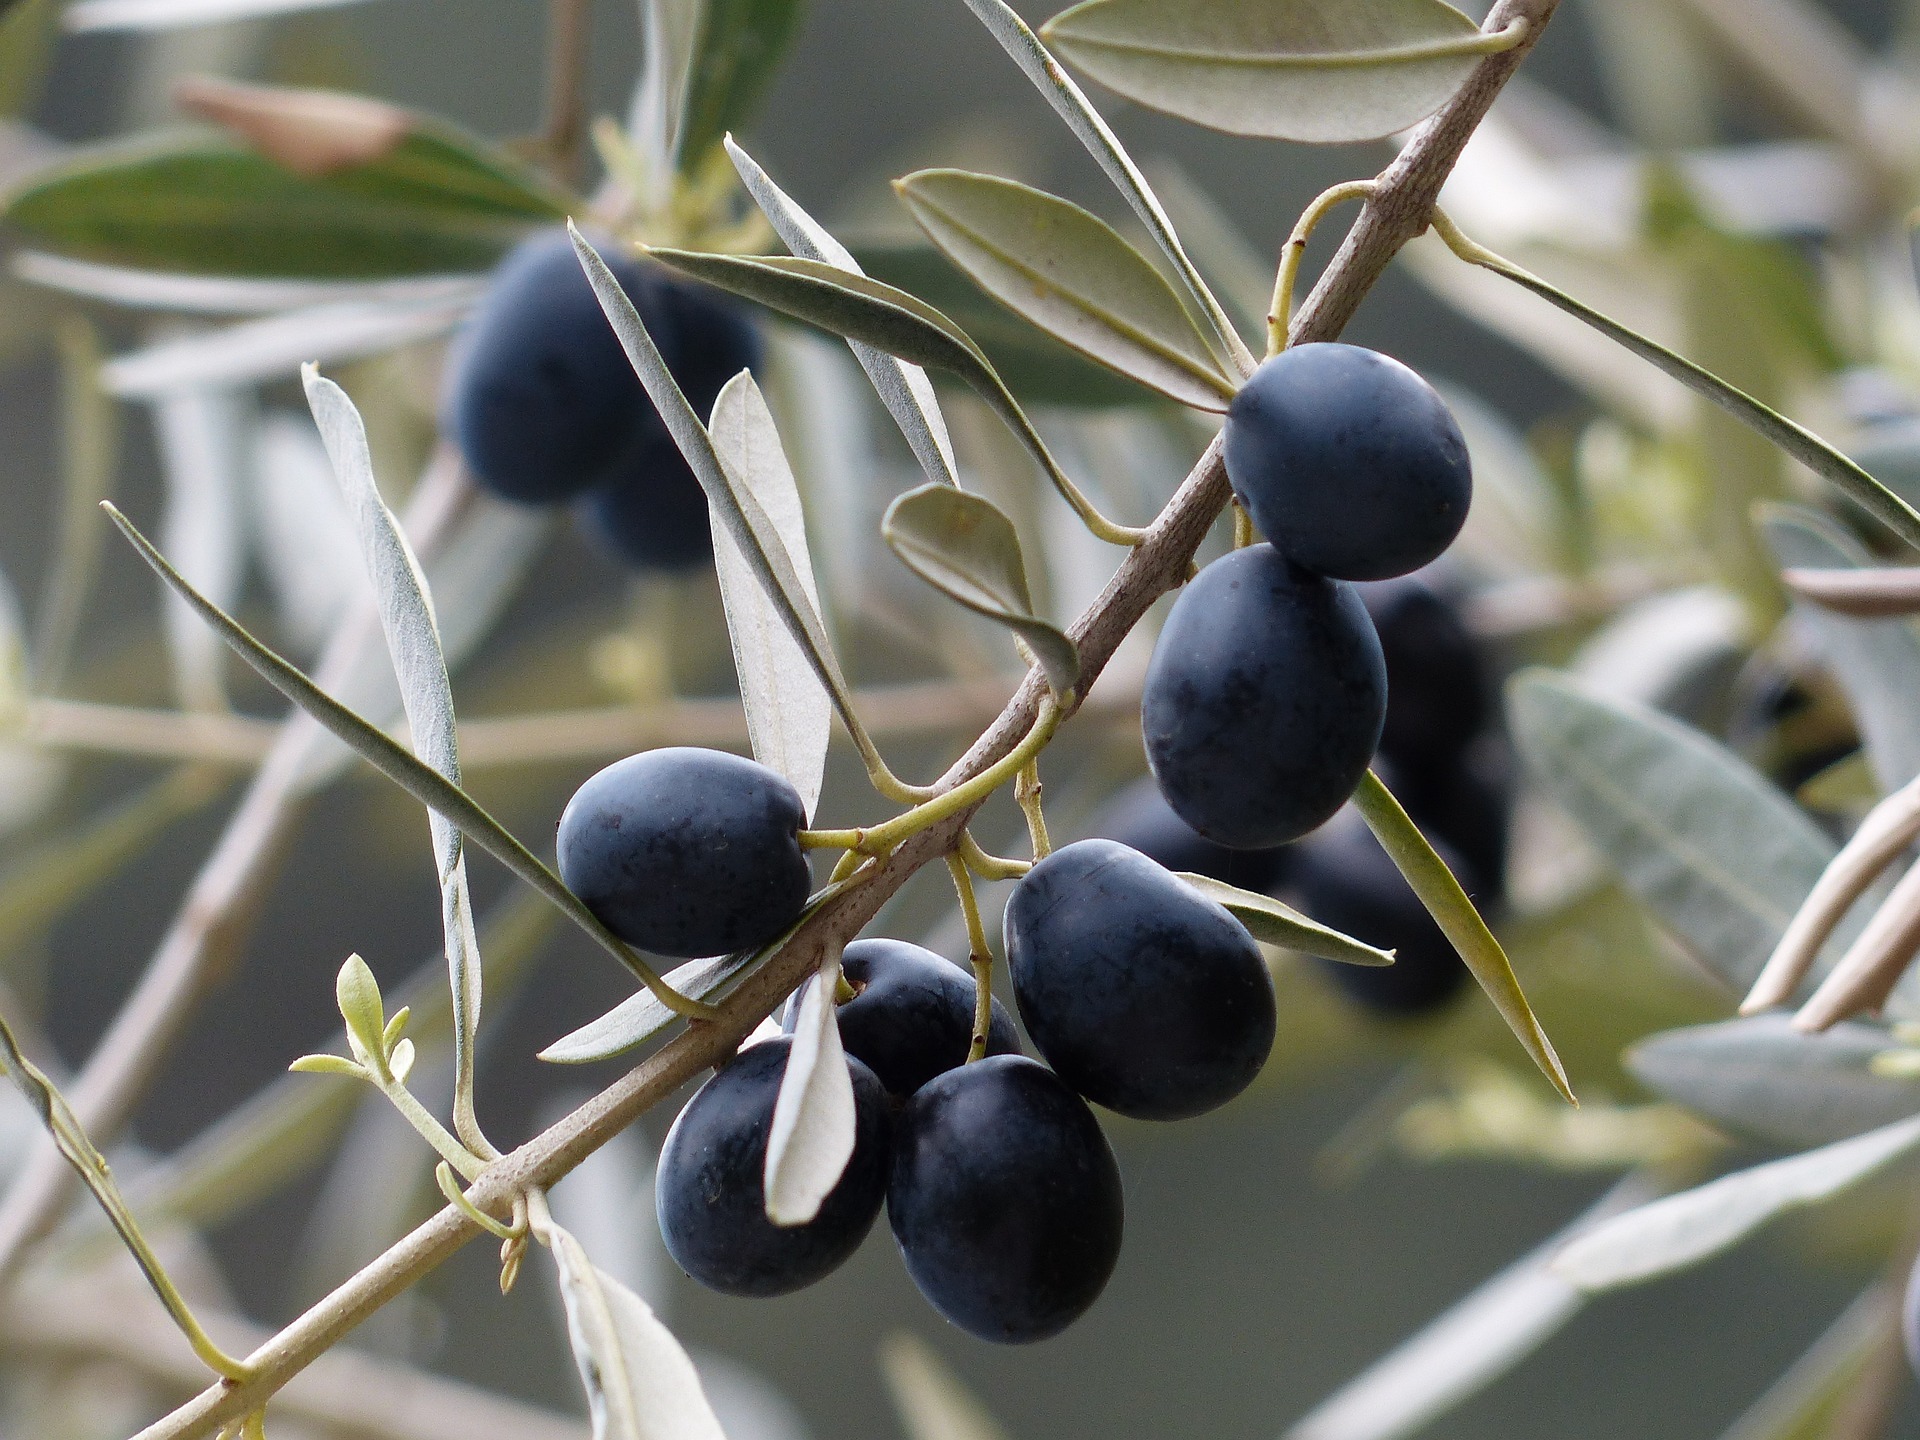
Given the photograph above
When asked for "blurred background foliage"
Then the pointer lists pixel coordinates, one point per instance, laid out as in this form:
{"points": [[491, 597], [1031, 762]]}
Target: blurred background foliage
{"points": [[1731, 177]]}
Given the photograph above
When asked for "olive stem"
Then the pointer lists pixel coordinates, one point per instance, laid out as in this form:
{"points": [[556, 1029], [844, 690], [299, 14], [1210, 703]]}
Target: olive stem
{"points": [[830, 839], [980, 953], [1243, 535], [969, 793], [990, 867], [431, 1130], [1026, 791], [1280, 313]]}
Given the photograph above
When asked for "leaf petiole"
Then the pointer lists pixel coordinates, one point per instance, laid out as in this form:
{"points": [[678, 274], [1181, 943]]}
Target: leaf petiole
{"points": [[1280, 313], [980, 953]]}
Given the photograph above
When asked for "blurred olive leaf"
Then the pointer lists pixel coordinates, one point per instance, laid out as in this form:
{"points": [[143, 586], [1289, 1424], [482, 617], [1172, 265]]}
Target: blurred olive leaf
{"points": [[1313, 70], [902, 387], [1072, 275], [1815, 1399], [1762, 1078], [435, 200], [639, 1018], [1684, 1229], [737, 49], [931, 1401], [640, 1384], [89, 15], [789, 712], [967, 549], [1701, 838], [814, 1126], [1280, 924], [1877, 662], [28, 29]]}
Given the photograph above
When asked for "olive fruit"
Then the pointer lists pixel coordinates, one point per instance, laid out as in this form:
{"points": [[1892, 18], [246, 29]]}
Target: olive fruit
{"points": [[1005, 1199], [1348, 462], [710, 1189], [1140, 818], [1263, 701], [1143, 995], [1439, 698], [687, 852]]}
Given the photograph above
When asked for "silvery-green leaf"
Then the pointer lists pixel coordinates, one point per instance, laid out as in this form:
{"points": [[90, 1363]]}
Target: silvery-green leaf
{"points": [[358, 995], [1219, 247], [30, 778], [276, 347], [202, 440], [903, 388], [1700, 837], [1819, 1389], [736, 51], [640, 1384], [1070, 103], [1463, 1351], [1891, 450], [86, 15], [1072, 275], [301, 534], [606, 1201], [413, 639], [789, 712], [931, 1401], [1684, 1229], [1322, 71], [814, 1125], [640, 1017], [1762, 1078], [1877, 662], [670, 28], [1278, 924], [1676, 651], [963, 546], [229, 295]]}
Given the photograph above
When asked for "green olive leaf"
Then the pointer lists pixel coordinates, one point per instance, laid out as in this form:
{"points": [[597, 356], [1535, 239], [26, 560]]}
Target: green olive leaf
{"points": [[1268, 919], [1071, 274], [932, 1402], [736, 50], [964, 546], [640, 1017], [360, 1006], [1321, 71], [815, 1122], [328, 1065], [435, 201]]}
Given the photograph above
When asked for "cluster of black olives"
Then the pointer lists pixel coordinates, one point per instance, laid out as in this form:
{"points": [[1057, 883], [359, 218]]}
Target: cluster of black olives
{"points": [[547, 411], [1141, 995], [1268, 695]]}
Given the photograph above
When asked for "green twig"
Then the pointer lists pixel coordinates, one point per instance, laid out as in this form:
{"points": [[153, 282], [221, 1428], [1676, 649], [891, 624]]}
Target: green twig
{"points": [[1280, 313], [980, 953]]}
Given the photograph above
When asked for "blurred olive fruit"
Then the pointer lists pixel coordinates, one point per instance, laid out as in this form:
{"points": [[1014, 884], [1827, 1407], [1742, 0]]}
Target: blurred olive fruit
{"points": [[687, 852], [1349, 463], [710, 1190], [1005, 1199], [1264, 700], [1140, 818], [1439, 699], [1144, 996]]}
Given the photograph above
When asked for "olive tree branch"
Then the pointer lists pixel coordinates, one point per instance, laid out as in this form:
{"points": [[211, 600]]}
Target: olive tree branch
{"points": [[1396, 212]]}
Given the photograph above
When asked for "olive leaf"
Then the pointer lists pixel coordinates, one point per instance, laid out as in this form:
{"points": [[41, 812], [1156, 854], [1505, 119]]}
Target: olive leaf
{"points": [[967, 549], [856, 307], [1763, 1078], [90, 15], [1315, 70], [1877, 662], [902, 387], [640, 1017], [358, 995], [1817, 1395], [815, 1121], [436, 201], [931, 1401], [736, 50], [412, 633], [1071, 274], [1278, 924], [789, 712], [640, 1384], [1701, 838], [1684, 1229]]}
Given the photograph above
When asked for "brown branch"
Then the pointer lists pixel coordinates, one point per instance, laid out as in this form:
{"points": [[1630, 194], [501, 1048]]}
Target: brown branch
{"points": [[1159, 563], [569, 28]]}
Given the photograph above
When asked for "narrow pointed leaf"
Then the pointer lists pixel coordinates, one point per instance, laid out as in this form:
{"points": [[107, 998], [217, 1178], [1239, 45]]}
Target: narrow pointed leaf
{"points": [[736, 50], [158, 15], [963, 546], [1268, 919], [1762, 1078], [814, 1124], [789, 712], [1072, 275], [640, 1384], [640, 1017], [1701, 838], [1314, 70], [1684, 1229], [902, 387]]}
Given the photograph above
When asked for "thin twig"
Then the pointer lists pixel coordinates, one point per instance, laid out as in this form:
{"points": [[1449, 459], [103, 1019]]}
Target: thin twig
{"points": [[1159, 563], [1869, 594], [569, 26]]}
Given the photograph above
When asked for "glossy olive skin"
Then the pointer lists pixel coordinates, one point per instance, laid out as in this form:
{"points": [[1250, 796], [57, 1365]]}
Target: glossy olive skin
{"points": [[1005, 1199], [539, 396], [710, 1190], [1264, 700], [1344, 879], [649, 511], [1439, 694], [1140, 818], [1348, 462], [686, 852], [912, 1016], [1143, 996]]}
